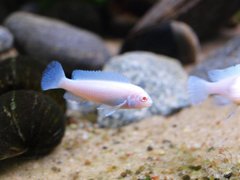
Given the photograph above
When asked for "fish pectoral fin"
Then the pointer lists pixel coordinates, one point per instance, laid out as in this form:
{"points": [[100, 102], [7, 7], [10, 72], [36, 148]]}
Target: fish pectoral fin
{"points": [[109, 110], [71, 97], [221, 101]]}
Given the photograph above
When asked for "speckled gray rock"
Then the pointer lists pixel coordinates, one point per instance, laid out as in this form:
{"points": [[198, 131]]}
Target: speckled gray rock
{"points": [[226, 56], [162, 77], [6, 39], [51, 39]]}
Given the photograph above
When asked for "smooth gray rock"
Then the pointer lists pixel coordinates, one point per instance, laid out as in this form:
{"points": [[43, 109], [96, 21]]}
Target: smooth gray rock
{"points": [[161, 76], [51, 39], [226, 56], [6, 39]]}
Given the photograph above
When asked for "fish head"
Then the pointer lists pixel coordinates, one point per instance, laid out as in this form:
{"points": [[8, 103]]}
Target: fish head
{"points": [[145, 100], [140, 100]]}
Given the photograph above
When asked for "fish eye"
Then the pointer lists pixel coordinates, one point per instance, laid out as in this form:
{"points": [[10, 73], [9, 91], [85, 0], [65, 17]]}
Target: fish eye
{"points": [[144, 99]]}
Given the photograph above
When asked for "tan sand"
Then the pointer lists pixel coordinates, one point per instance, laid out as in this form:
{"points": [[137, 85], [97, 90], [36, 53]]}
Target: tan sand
{"points": [[197, 142]]}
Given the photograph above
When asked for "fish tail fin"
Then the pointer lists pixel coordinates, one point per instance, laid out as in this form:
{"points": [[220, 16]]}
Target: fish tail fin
{"points": [[198, 89], [52, 76]]}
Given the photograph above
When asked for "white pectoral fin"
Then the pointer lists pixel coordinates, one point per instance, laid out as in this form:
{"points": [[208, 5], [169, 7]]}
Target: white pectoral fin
{"points": [[71, 97], [109, 110]]}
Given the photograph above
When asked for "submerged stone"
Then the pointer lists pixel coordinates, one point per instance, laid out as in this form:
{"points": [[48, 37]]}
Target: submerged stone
{"points": [[50, 39]]}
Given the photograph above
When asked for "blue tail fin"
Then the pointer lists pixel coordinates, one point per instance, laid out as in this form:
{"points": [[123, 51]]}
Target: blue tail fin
{"points": [[197, 89], [52, 76]]}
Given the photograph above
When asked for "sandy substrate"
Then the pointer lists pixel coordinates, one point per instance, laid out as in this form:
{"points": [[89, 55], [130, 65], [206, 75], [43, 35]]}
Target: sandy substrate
{"points": [[198, 142]]}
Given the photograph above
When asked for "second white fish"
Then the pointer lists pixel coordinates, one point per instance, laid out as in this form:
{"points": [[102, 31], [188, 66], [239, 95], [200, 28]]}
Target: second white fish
{"points": [[225, 86]]}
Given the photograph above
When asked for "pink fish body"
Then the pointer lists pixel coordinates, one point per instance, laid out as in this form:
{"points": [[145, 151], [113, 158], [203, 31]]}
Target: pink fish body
{"points": [[225, 86], [106, 88]]}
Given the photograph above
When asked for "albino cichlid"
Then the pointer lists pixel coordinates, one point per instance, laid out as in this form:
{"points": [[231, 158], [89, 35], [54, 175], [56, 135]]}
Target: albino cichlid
{"points": [[112, 90], [225, 86]]}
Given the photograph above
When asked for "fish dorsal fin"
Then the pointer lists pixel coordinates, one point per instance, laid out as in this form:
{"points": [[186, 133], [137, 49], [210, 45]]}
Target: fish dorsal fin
{"points": [[219, 74], [98, 75]]}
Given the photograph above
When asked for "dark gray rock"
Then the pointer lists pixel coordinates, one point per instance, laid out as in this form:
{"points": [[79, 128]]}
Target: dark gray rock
{"points": [[51, 39], [175, 39], [162, 77], [224, 57], [6, 39]]}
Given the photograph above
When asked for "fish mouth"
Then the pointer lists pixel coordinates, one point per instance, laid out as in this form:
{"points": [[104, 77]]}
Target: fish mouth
{"points": [[149, 103]]}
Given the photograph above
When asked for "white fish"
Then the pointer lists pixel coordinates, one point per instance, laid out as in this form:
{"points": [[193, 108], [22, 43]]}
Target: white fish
{"points": [[225, 86], [112, 90]]}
